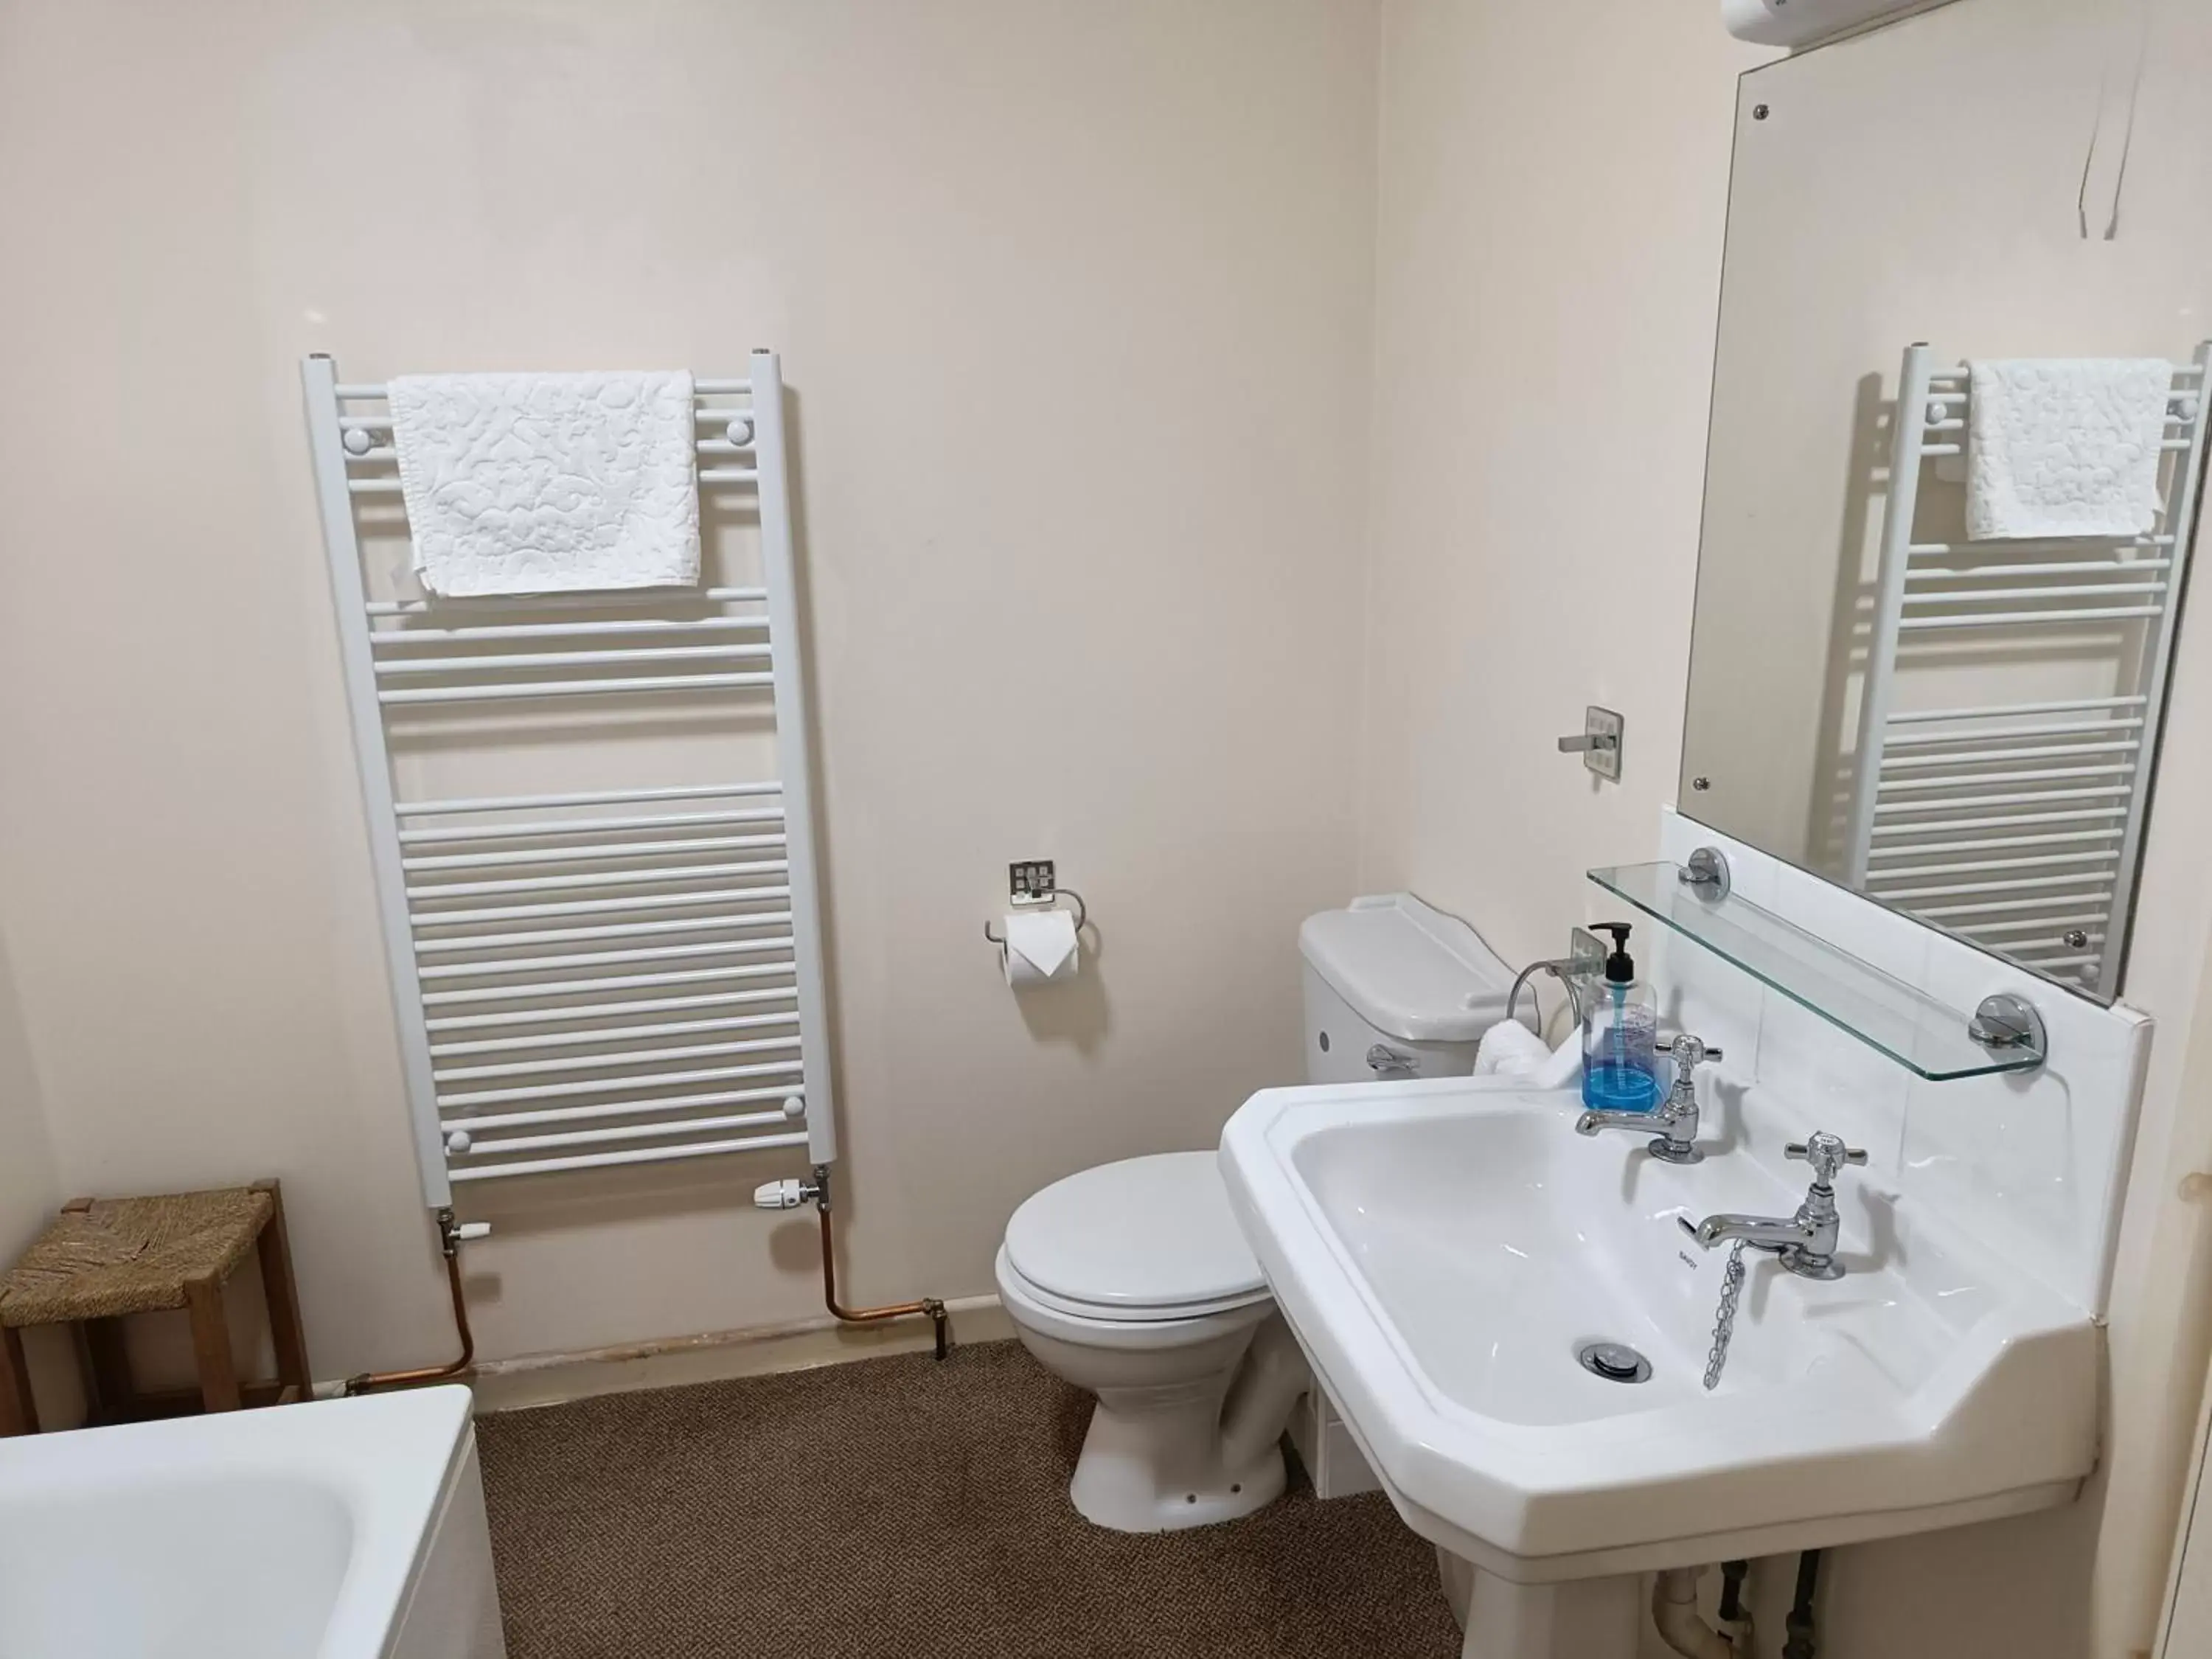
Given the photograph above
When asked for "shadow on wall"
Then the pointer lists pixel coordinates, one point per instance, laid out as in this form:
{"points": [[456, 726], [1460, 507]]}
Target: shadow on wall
{"points": [[1850, 625]]}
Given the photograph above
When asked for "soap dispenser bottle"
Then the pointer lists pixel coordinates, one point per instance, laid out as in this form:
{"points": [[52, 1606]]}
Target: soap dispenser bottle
{"points": [[1620, 1071]]}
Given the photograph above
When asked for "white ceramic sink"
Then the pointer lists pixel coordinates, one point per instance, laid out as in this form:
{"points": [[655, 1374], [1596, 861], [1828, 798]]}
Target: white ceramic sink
{"points": [[1442, 1248]]}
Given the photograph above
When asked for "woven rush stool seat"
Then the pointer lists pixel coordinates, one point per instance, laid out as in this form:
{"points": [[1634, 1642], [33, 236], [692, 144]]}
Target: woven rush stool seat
{"points": [[126, 1256], [103, 1259]]}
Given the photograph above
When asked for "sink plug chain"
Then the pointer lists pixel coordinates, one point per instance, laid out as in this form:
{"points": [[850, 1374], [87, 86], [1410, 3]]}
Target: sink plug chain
{"points": [[1724, 1327]]}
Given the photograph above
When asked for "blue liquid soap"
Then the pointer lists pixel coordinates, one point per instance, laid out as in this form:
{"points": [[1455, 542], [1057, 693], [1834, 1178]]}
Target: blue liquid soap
{"points": [[1613, 1087], [1620, 1071]]}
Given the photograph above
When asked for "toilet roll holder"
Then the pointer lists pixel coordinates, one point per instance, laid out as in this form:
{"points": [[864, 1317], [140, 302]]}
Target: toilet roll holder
{"points": [[1030, 885]]}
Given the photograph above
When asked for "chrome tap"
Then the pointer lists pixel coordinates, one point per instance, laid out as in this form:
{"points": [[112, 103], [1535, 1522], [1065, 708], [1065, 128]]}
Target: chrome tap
{"points": [[1805, 1241], [1676, 1118]]}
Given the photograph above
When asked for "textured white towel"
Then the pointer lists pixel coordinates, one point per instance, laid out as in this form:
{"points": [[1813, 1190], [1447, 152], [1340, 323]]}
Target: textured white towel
{"points": [[548, 484], [2065, 446], [1511, 1049]]}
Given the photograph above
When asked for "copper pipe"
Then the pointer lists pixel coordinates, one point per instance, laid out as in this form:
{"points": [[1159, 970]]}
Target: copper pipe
{"points": [[927, 1306], [450, 1240]]}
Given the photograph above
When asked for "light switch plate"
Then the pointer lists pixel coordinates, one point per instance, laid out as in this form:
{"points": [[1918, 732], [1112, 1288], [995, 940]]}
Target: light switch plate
{"points": [[1603, 727]]}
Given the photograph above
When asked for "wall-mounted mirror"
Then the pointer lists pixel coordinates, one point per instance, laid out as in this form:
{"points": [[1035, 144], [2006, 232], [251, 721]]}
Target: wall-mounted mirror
{"points": [[1937, 603]]}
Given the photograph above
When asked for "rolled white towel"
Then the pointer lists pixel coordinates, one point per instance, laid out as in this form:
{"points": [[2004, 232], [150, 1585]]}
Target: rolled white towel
{"points": [[1511, 1049], [1562, 1067]]}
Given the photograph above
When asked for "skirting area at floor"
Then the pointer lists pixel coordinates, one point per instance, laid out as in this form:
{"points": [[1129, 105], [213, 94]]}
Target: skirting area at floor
{"points": [[905, 1509]]}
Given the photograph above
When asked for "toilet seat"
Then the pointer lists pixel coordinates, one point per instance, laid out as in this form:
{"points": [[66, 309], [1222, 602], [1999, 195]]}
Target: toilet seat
{"points": [[1141, 1241], [1127, 1313], [1036, 1310]]}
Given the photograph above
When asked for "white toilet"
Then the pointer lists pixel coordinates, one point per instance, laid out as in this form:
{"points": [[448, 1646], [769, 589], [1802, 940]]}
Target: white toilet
{"points": [[1133, 1279]]}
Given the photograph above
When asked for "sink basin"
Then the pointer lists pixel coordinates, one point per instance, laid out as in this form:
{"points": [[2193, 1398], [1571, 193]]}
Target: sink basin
{"points": [[1444, 1249]]}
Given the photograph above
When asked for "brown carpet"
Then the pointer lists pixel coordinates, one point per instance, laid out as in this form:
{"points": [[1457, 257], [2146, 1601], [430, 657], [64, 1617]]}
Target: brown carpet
{"points": [[902, 1509]]}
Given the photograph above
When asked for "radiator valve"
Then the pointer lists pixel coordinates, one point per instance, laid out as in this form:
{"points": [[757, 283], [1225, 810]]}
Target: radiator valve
{"points": [[786, 1194]]}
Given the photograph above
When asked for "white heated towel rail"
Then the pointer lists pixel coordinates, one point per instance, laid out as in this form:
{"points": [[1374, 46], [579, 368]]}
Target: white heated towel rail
{"points": [[2015, 818], [590, 970]]}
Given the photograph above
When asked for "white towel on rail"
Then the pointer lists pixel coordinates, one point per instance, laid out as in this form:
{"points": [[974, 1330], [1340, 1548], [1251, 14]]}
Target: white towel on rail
{"points": [[2062, 446], [548, 484]]}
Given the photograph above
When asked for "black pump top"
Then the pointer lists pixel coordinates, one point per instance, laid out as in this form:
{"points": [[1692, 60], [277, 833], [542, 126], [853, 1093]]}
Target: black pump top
{"points": [[1619, 967]]}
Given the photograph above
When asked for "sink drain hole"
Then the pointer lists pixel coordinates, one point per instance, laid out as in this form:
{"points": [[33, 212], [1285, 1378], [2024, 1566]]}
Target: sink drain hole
{"points": [[1616, 1362]]}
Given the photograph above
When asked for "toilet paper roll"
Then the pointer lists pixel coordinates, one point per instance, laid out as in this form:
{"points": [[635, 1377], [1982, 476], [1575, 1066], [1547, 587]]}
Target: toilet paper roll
{"points": [[1041, 948]]}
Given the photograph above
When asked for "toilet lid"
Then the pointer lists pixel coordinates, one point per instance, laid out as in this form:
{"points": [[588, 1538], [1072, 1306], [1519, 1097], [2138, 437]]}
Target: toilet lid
{"points": [[1145, 1233]]}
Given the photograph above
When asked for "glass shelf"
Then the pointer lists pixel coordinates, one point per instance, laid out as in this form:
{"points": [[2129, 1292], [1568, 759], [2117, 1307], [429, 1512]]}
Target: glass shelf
{"points": [[1913, 1029]]}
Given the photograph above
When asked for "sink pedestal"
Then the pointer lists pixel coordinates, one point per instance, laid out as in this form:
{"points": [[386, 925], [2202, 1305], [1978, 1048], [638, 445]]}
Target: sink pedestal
{"points": [[1581, 1619]]}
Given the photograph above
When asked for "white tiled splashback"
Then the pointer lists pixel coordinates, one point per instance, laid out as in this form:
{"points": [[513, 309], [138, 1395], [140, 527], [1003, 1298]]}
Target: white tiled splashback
{"points": [[2032, 1164]]}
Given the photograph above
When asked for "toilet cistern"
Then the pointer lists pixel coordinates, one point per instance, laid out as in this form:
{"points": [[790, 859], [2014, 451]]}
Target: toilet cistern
{"points": [[1676, 1118], [1805, 1241]]}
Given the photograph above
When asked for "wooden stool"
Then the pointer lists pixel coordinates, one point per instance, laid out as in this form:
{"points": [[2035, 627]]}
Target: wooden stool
{"points": [[104, 1258]]}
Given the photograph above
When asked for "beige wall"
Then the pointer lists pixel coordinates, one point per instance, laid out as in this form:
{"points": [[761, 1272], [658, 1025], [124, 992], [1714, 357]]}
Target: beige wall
{"points": [[1550, 229], [1552, 201], [1066, 295], [2191, 1614], [28, 1188]]}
